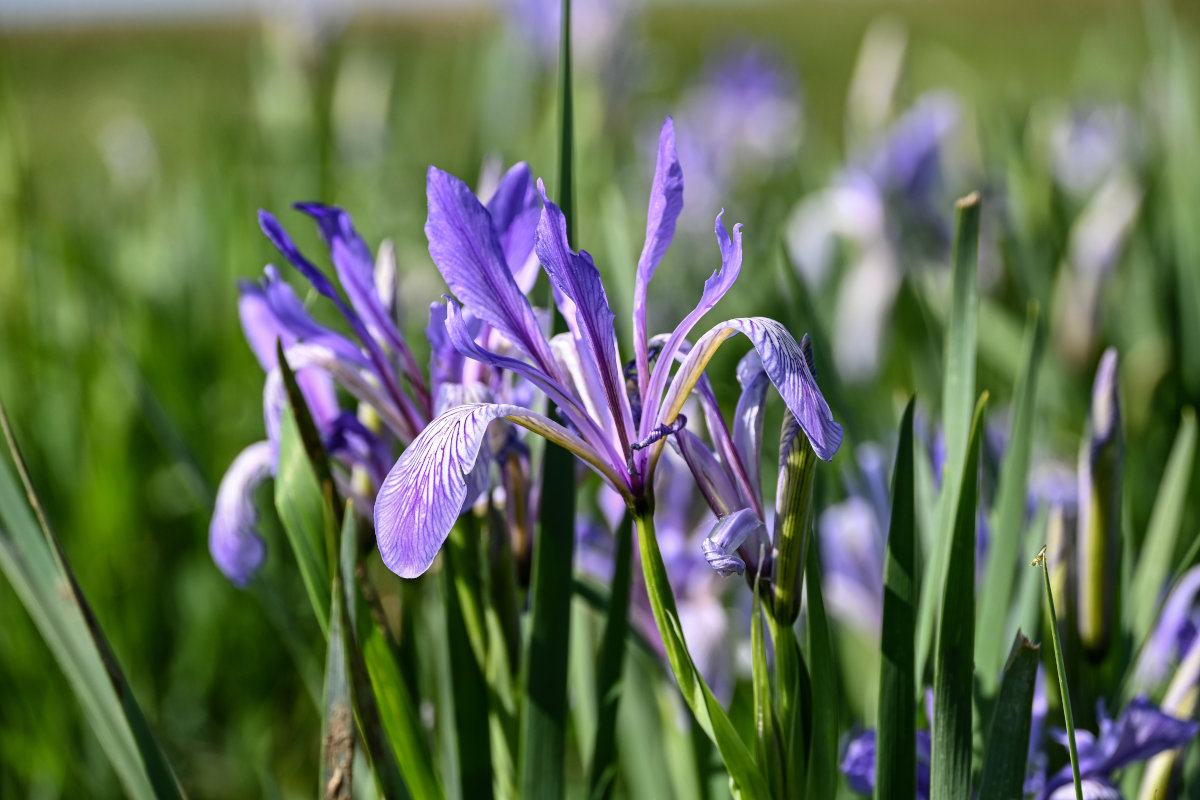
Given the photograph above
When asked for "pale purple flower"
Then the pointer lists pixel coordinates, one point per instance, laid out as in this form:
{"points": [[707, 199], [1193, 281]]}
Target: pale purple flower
{"points": [[598, 28], [617, 431], [373, 364], [1138, 733]]}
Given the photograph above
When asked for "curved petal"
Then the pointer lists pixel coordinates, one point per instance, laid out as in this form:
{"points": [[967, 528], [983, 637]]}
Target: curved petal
{"points": [[271, 310], [466, 251], [710, 475], [666, 203], [236, 547], [731, 531], [714, 289], [784, 362], [1163, 647], [424, 493], [748, 418], [577, 277], [514, 211]]}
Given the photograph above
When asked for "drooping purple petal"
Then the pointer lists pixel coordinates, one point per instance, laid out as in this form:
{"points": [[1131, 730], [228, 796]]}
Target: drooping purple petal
{"points": [[730, 533], [748, 418], [514, 211], [714, 289], [710, 475], [784, 362], [466, 251], [233, 541], [666, 203], [578, 279], [424, 492]]}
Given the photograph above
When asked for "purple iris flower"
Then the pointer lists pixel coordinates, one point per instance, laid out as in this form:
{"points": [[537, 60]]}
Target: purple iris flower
{"points": [[1139, 732], [373, 365], [1174, 635], [616, 430]]}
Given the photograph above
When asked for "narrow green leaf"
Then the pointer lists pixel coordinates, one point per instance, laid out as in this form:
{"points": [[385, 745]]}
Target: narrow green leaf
{"points": [[766, 730], [953, 678], [337, 740], [1004, 760], [706, 709], [1061, 664], [611, 662], [34, 562], [958, 395], [466, 675], [996, 597], [823, 750], [300, 492], [356, 624], [654, 745], [896, 745], [544, 708], [1156, 558], [790, 682]]}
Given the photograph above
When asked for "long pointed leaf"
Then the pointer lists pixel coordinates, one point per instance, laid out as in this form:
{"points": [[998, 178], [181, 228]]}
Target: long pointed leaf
{"points": [[953, 680], [33, 560], [896, 745], [996, 597], [1004, 760]]}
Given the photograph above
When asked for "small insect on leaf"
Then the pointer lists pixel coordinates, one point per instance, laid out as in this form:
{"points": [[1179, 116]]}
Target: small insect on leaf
{"points": [[1040, 558]]}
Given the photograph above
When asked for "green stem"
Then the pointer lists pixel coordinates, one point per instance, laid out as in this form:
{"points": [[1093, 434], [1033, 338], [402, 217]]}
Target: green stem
{"points": [[1062, 678], [611, 664]]}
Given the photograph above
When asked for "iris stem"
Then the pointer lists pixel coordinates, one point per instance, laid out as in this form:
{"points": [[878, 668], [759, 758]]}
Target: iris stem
{"points": [[1062, 676]]}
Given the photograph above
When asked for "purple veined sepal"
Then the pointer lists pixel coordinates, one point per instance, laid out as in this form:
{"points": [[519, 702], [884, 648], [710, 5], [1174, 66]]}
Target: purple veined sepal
{"points": [[741, 530], [426, 489], [234, 542], [785, 364], [666, 204]]}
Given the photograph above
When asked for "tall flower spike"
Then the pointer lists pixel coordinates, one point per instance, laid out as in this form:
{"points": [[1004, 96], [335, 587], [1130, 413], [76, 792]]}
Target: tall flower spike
{"points": [[422, 494]]}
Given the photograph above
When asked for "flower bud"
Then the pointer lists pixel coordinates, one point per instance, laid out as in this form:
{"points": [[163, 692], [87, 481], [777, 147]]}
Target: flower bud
{"points": [[793, 517]]}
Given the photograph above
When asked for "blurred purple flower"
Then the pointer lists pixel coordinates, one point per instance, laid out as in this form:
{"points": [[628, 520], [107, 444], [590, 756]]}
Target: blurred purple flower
{"points": [[615, 429], [858, 762], [598, 28], [1138, 733]]}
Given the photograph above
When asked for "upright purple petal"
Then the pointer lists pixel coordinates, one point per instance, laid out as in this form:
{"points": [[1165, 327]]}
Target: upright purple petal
{"points": [[514, 211], [233, 541], [785, 364], [425, 491], [271, 311], [466, 251], [714, 289], [666, 203], [355, 268], [1173, 634], [578, 279]]}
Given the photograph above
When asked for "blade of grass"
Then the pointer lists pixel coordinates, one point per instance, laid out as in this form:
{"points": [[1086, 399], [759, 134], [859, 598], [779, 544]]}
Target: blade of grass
{"points": [[544, 709], [337, 740], [1061, 665], [33, 560], [996, 597], [1156, 557], [958, 395], [709, 714], [953, 678], [896, 743], [466, 675], [611, 660], [1004, 760], [823, 748]]}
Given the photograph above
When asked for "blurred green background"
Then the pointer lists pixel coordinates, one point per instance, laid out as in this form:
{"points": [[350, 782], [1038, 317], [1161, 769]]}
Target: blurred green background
{"points": [[134, 156]]}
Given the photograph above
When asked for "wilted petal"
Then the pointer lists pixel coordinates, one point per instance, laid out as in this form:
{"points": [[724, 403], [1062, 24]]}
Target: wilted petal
{"points": [[235, 545], [578, 279], [466, 251], [785, 364], [714, 289], [710, 475], [748, 418], [425, 491], [731, 532], [514, 211], [666, 203]]}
